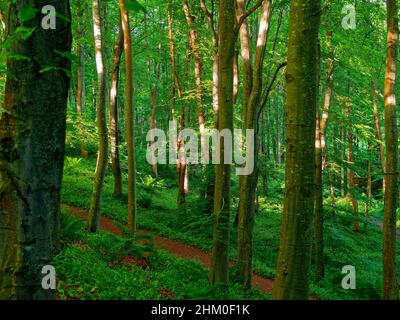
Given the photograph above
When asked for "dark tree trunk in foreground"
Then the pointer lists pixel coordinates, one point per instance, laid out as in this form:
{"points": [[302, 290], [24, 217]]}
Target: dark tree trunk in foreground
{"points": [[390, 286], [101, 167], [32, 139], [219, 272], [292, 281]]}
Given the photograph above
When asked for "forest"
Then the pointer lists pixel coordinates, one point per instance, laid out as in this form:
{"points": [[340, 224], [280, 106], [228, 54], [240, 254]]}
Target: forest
{"points": [[199, 150]]}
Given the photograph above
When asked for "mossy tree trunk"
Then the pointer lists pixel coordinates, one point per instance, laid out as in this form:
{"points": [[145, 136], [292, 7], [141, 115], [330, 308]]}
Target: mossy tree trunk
{"points": [[292, 281], [390, 285], [32, 143], [219, 272]]}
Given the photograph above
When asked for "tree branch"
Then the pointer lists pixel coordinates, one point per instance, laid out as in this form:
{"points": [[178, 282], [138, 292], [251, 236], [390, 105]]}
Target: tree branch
{"points": [[246, 15], [268, 91], [210, 19]]}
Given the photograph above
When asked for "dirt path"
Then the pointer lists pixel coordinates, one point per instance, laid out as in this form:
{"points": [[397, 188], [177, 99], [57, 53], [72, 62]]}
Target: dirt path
{"points": [[173, 247]]}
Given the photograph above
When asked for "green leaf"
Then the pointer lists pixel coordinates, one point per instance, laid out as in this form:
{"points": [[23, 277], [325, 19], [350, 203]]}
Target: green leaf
{"points": [[134, 5]]}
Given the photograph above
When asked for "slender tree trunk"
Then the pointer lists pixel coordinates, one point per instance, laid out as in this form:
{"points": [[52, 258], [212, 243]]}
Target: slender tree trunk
{"points": [[378, 131], [342, 167], [113, 110], [219, 272], [248, 183], [292, 281], [350, 174], [215, 41], [80, 87], [390, 285], [174, 77], [101, 167], [197, 65], [320, 145], [32, 144], [245, 53], [236, 76], [129, 118]]}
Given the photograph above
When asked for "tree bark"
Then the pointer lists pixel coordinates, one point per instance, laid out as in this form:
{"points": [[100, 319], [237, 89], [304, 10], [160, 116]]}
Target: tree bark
{"points": [[32, 144], [320, 145], [292, 281], [129, 118], [350, 173], [113, 110], [80, 86], [378, 131], [219, 272], [390, 286], [101, 167], [248, 183]]}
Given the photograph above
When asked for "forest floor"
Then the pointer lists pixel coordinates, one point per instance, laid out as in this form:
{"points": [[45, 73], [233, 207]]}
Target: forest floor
{"points": [[179, 264], [173, 247]]}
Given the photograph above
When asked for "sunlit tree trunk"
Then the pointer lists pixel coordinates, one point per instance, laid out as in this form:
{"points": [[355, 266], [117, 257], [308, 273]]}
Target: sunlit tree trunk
{"points": [[245, 53], [113, 111], [378, 131], [32, 144], [197, 64], [219, 272], [248, 183], [390, 285], [101, 167], [320, 144], [80, 87], [292, 281], [236, 76], [129, 118], [80, 77]]}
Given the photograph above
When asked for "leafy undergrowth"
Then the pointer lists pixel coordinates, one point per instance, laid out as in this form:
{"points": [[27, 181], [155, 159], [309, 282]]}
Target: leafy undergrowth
{"points": [[159, 214], [104, 266]]}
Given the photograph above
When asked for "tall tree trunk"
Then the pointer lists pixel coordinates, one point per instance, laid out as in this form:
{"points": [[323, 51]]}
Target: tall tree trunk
{"points": [[350, 174], [210, 176], [197, 65], [215, 41], [101, 167], [378, 131], [292, 281], [32, 143], [342, 167], [248, 183], [390, 286], [320, 144], [153, 89], [174, 77], [245, 53], [129, 118], [236, 76], [80, 86], [113, 110], [219, 272]]}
